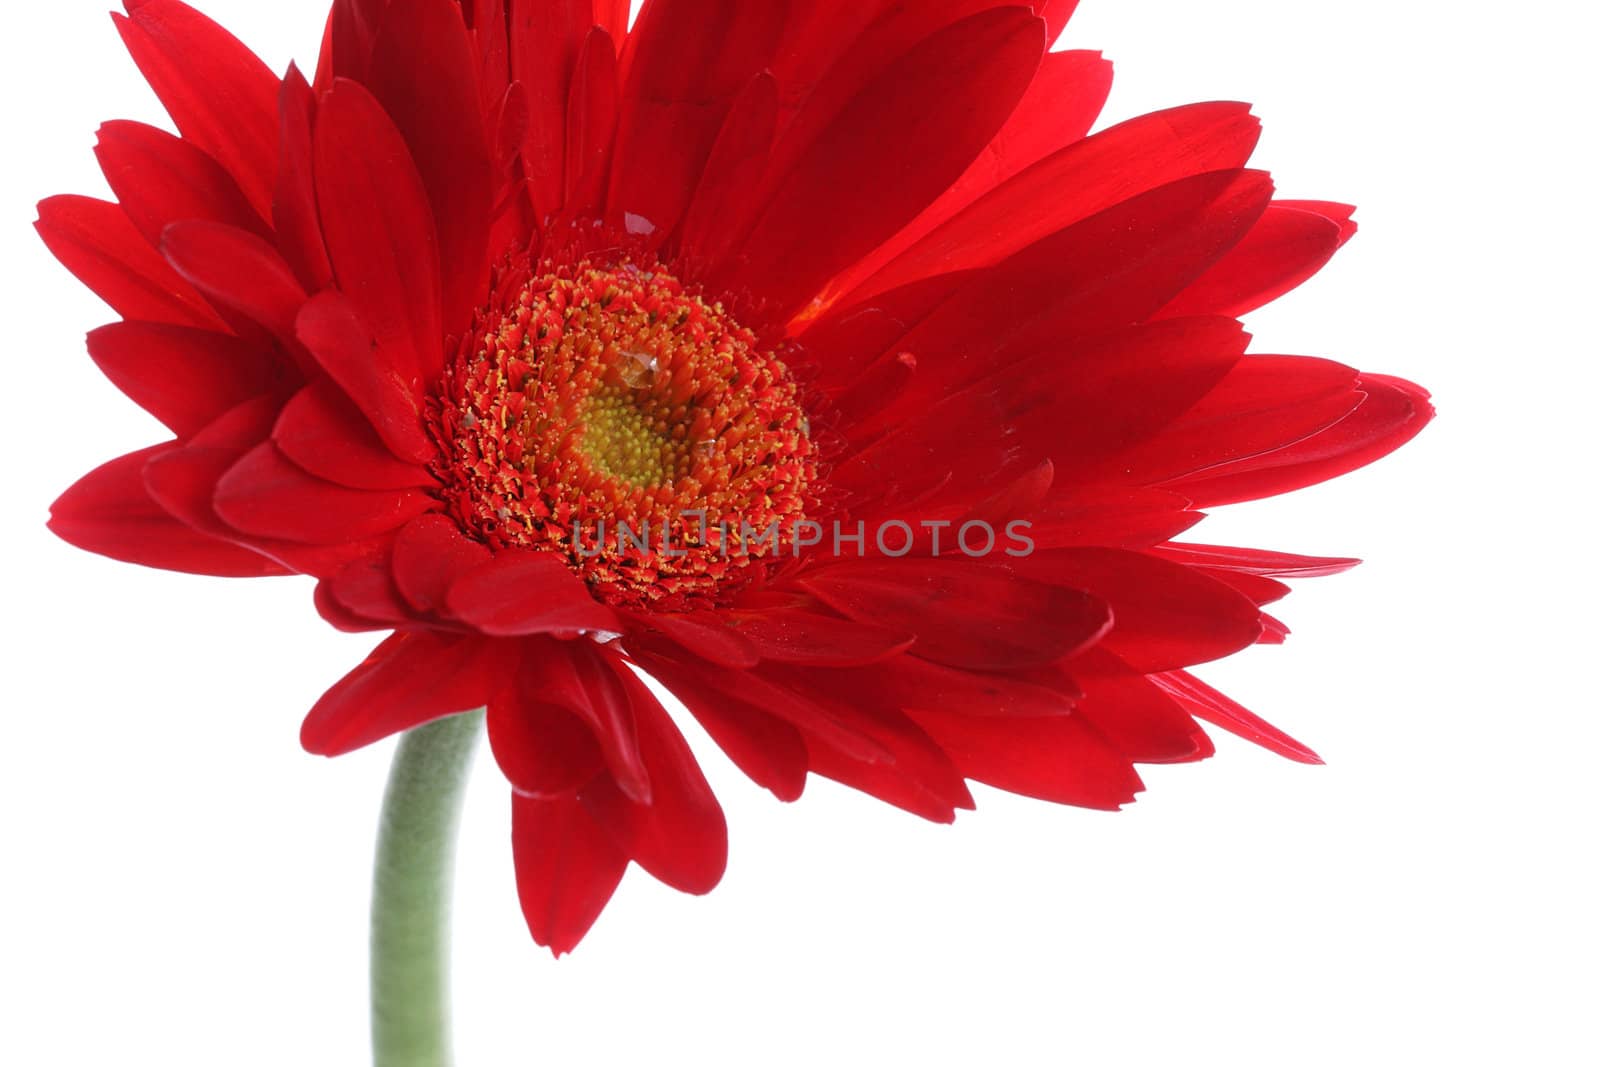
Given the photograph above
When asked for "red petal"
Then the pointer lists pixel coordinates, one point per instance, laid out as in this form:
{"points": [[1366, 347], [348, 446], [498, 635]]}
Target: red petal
{"points": [[1061, 759], [1167, 615], [576, 678], [521, 592], [160, 179], [896, 146], [97, 243], [709, 635], [544, 40], [184, 482], [1285, 248], [767, 749], [294, 207], [688, 60], [1206, 703], [1079, 181], [266, 495], [725, 197], [379, 230], [324, 434], [916, 774], [424, 73], [963, 615], [1060, 105], [221, 96], [541, 747], [182, 376], [591, 124], [1106, 395], [238, 270], [410, 679], [1109, 271], [430, 553], [1112, 517], [567, 868], [792, 636], [1393, 412], [1263, 405], [747, 688], [341, 343], [109, 512], [680, 836], [1257, 561], [1136, 716]]}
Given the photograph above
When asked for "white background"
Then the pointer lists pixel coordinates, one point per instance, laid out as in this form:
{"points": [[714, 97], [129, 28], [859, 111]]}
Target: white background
{"points": [[183, 886]]}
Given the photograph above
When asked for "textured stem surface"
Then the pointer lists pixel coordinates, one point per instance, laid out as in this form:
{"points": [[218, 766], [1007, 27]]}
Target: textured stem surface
{"points": [[411, 893]]}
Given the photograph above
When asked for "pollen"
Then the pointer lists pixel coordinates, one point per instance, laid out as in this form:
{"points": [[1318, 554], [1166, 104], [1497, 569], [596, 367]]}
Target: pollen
{"points": [[608, 413]]}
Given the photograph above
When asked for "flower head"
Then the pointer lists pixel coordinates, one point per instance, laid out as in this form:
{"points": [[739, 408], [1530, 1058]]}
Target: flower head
{"points": [[811, 359]]}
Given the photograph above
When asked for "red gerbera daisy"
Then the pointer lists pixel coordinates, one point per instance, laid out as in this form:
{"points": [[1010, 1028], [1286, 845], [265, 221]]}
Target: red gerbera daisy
{"points": [[810, 359]]}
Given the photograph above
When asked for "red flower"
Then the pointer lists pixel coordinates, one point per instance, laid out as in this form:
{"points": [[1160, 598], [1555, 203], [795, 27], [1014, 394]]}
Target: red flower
{"points": [[504, 272]]}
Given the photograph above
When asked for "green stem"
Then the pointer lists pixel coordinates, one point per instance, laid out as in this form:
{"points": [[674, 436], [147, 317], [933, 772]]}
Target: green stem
{"points": [[411, 893]]}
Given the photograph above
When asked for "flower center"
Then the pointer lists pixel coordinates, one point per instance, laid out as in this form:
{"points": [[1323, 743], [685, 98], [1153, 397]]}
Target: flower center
{"points": [[609, 414]]}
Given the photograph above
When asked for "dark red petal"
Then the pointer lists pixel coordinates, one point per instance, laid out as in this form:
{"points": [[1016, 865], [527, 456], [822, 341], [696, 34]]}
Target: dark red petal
{"points": [[1079, 181], [1393, 412], [237, 270], [161, 179], [266, 495], [963, 615], [544, 42], [914, 774], [725, 198], [1055, 14], [109, 512], [347, 46], [895, 146], [1072, 409], [97, 243], [1167, 615], [1061, 759], [520, 593], [1264, 404], [183, 376], [430, 552], [423, 71], [365, 589], [412, 678], [222, 98], [689, 59], [294, 206], [543, 748], [324, 434], [1206, 703], [767, 749], [1110, 516], [709, 635], [1137, 717], [331, 329], [907, 682], [184, 482], [379, 230], [567, 868], [1257, 560], [680, 836], [750, 688], [1107, 272], [785, 635], [578, 678], [591, 124], [1060, 105], [1286, 247]]}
